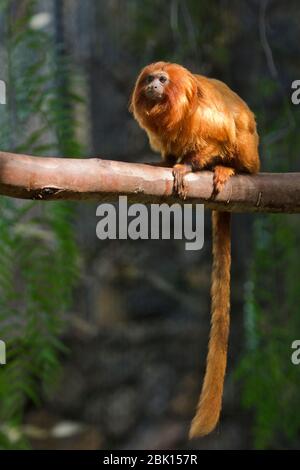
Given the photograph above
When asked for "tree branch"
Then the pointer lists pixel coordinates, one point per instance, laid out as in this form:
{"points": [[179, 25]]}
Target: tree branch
{"points": [[45, 178]]}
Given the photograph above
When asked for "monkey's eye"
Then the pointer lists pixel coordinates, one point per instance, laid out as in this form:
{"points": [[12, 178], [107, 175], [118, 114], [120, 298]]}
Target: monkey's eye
{"points": [[162, 79], [149, 79]]}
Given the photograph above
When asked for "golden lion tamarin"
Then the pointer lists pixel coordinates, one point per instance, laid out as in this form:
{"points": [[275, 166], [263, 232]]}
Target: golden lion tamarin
{"points": [[199, 123]]}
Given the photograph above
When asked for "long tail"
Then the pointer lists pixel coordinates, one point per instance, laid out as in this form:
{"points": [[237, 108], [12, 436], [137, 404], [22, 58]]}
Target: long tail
{"points": [[210, 402]]}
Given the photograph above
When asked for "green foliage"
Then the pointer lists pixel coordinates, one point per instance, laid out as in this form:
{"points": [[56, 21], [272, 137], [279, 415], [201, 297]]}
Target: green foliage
{"points": [[38, 254], [270, 381]]}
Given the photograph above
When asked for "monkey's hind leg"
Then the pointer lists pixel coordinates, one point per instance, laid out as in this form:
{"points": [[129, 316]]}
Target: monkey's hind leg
{"points": [[247, 152], [221, 175]]}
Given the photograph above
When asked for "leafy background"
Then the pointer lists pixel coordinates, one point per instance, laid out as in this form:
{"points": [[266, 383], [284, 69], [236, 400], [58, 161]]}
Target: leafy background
{"points": [[97, 333]]}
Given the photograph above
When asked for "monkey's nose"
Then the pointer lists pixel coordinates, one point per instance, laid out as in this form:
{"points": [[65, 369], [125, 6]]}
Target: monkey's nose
{"points": [[153, 91]]}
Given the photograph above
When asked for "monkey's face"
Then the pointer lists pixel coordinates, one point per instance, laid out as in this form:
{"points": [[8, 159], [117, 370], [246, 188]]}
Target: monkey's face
{"points": [[162, 95], [155, 85]]}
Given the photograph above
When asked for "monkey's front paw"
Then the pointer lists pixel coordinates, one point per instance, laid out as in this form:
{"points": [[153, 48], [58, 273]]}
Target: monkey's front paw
{"points": [[221, 175], [179, 172]]}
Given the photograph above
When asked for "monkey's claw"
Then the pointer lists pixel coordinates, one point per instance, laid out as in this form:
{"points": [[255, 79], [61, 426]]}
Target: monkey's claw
{"points": [[221, 175], [179, 186]]}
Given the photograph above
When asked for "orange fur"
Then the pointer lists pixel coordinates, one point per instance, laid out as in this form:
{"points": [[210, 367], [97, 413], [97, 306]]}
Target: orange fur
{"points": [[210, 402], [200, 117], [195, 123]]}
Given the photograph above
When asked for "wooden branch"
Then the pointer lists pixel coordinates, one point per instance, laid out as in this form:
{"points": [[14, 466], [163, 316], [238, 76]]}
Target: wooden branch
{"points": [[46, 179]]}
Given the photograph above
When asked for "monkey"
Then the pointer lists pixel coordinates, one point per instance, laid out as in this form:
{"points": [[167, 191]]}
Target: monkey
{"points": [[198, 123]]}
